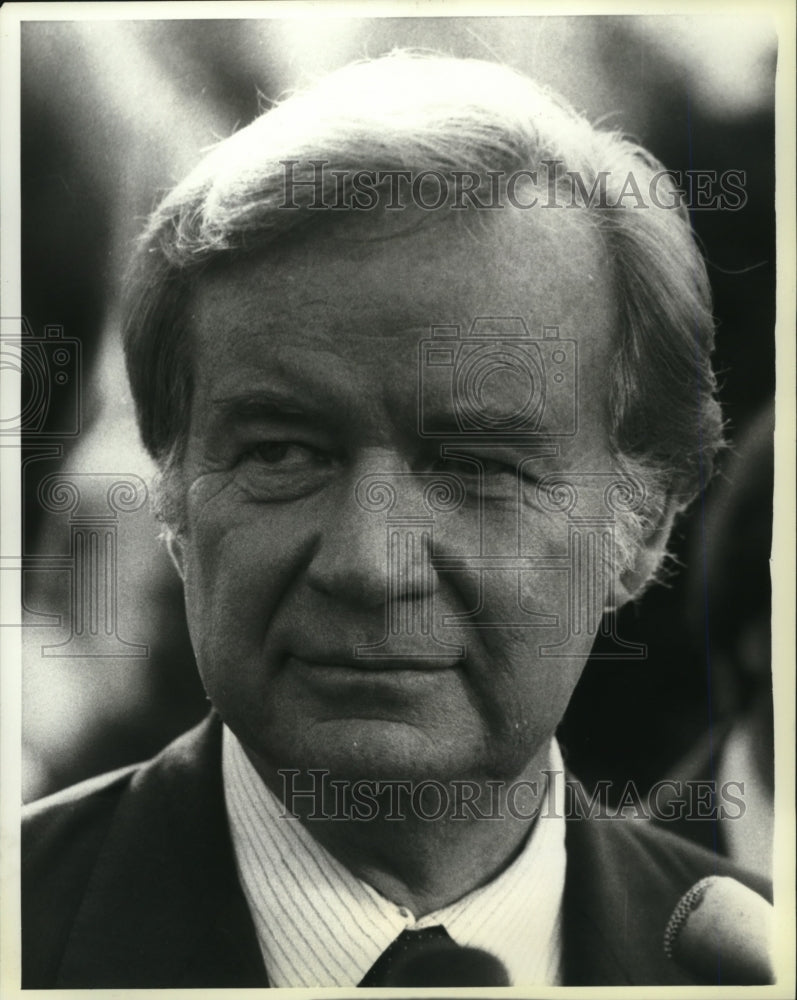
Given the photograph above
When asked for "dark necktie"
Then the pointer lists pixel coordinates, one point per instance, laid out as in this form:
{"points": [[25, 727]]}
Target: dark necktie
{"points": [[430, 958]]}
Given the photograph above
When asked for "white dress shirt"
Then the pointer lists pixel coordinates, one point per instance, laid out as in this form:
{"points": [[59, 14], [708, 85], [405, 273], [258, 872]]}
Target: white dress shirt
{"points": [[319, 925]]}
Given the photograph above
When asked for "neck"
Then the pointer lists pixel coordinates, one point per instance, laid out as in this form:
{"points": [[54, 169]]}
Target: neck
{"points": [[422, 847]]}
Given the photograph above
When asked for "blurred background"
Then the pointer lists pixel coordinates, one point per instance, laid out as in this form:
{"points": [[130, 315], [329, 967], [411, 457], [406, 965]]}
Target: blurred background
{"points": [[114, 113]]}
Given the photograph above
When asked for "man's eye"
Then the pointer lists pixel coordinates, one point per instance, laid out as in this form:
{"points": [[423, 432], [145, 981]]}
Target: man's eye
{"points": [[275, 471], [284, 454]]}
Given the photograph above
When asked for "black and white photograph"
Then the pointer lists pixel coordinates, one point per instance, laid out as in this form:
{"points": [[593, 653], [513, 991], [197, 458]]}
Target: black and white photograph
{"points": [[398, 497]]}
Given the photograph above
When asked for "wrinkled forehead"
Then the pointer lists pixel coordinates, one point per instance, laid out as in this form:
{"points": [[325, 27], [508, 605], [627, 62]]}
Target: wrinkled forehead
{"points": [[364, 292], [543, 260]]}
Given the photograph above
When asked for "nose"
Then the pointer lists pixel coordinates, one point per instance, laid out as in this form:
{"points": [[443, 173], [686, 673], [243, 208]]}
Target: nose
{"points": [[375, 540]]}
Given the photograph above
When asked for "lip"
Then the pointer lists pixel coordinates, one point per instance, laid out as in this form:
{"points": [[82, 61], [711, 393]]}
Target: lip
{"points": [[346, 663]]}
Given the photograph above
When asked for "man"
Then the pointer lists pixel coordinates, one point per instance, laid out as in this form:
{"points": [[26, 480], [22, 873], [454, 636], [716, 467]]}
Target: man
{"points": [[424, 362]]}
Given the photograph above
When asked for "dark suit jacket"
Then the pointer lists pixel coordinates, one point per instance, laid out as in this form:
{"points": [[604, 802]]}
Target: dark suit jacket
{"points": [[129, 881]]}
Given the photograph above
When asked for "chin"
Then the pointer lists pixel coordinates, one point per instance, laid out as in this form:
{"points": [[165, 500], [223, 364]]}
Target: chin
{"points": [[377, 750]]}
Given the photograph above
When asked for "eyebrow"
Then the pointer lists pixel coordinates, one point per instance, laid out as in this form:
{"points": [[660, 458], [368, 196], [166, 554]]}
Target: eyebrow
{"points": [[258, 405]]}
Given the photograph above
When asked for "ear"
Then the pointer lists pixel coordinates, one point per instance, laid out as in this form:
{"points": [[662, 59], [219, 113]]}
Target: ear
{"points": [[631, 582], [174, 547]]}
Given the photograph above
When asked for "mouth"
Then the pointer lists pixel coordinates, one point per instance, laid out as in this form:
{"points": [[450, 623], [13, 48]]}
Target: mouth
{"points": [[398, 689], [362, 683], [347, 663]]}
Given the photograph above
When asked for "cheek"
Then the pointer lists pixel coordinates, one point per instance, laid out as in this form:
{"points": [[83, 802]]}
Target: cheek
{"points": [[235, 580], [526, 682], [527, 579], [239, 563]]}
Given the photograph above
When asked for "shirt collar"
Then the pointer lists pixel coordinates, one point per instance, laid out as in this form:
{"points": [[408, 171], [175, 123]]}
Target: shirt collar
{"points": [[319, 925]]}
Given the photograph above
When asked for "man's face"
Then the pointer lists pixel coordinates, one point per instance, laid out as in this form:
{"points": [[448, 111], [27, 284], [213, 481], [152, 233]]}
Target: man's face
{"points": [[310, 377]]}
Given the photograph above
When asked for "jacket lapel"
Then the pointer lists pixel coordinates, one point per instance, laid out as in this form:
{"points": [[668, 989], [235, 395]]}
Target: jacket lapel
{"points": [[620, 889], [163, 907]]}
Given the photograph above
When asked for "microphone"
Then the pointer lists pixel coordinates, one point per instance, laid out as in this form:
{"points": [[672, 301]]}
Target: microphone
{"points": [[722, 931], [429, 957], [449, 966]]}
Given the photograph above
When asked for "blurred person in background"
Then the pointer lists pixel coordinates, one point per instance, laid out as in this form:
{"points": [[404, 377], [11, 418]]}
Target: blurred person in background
{"points": [[729, 610], [276, 321]]}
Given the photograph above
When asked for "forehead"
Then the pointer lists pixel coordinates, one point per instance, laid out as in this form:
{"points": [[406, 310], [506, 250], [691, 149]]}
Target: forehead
{"points": [[350, 305]]}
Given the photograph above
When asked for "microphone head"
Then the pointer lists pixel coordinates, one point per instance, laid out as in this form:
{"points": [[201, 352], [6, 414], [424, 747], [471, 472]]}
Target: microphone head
{"points": [[722, 931], [442, 965]]}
